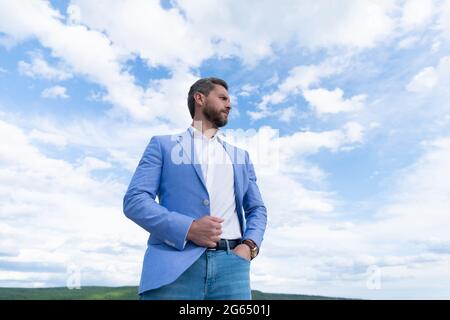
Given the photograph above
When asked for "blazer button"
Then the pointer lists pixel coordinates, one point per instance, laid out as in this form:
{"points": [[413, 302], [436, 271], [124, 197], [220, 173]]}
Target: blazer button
{"points": [[206, 202]]}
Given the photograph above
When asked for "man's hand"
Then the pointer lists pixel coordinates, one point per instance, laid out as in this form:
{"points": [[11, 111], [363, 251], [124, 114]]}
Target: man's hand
{"points": [[243, 251], [206, 231]]}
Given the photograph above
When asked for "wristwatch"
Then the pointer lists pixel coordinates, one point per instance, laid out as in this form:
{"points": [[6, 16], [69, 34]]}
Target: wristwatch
{"points": [[253, 247]]}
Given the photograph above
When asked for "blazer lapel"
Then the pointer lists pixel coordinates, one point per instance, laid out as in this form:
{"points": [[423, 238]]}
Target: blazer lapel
{"points": [[232, 152], [187, 143]]}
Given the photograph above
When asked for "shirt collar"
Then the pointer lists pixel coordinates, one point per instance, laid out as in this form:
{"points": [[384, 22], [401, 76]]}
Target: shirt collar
{"points": [[195, 133]]}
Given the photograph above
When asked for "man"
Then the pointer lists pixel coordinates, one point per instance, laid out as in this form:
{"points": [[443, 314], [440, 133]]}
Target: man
{"points": [[200, 245]]}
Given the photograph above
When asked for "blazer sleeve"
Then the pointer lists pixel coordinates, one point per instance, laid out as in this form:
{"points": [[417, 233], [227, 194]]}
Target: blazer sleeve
{"points": [[254, 208], [140, 206]]}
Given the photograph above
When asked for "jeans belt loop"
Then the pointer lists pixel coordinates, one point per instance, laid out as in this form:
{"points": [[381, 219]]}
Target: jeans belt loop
{"points": [[228, 246]]}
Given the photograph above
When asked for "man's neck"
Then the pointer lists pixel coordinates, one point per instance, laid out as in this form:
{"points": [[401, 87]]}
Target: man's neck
{"points": [[207, 128]]}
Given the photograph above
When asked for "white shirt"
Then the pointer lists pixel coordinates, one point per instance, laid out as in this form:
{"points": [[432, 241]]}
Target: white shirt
{"points": [[218, 174]]}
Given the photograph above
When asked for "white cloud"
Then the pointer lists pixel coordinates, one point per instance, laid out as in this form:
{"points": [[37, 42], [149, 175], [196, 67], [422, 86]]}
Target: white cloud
{"points": [[299, 79], [310, 24], [354, 132], [55, 92], [423, 81], [48, 137], [270, 152], [96, 96], [416, 12], [423, 194], [408, 42], [39, 68], [122, 141], [431, 77], [302, 77], [286, 114], [444, 19], [17, 153], [407, 242], [247, 90], [325, 101], [272, 80], [19, 19], [297, 205], [87, 52], [341, 226], [90, 164], [53, 210], [159, 36], [304, 143]]}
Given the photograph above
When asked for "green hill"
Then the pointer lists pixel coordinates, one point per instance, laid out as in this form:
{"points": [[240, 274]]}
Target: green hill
{"points": [[117, 293]]}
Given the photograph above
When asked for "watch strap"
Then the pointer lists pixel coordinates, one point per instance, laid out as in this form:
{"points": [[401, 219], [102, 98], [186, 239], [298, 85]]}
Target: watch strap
{"points": [[253, 247]]}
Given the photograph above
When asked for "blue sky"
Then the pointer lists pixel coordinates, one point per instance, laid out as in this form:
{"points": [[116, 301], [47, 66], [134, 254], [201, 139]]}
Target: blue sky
{"points": [[345, 108]]}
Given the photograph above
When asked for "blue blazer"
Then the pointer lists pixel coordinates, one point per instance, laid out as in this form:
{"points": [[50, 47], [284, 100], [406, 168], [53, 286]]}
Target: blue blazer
{"points": [[168, 169]]}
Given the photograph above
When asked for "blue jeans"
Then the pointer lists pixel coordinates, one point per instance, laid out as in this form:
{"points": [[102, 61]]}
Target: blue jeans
{"points": [[216, 275]]}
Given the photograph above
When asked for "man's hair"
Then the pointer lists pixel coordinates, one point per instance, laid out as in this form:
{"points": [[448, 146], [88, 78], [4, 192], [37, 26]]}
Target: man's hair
{"points": [[204, 86]]}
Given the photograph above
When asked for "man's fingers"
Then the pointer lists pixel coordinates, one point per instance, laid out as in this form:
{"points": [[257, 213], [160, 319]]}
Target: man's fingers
{"points": [[217, 219], [215, 225], [212, 244]]}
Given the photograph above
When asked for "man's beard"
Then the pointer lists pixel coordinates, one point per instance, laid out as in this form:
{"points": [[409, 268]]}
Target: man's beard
{"points": [[214, 116]]}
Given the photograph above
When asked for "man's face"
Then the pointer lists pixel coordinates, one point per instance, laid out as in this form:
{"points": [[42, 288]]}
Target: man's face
{"points": [[217, 106]]}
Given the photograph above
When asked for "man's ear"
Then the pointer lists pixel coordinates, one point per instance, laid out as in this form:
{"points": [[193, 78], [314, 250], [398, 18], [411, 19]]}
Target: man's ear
{"points": [[199, 98]]}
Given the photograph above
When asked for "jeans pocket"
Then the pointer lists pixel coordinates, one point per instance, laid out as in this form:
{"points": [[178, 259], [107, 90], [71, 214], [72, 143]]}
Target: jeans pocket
{"points": [[239, 257]]}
